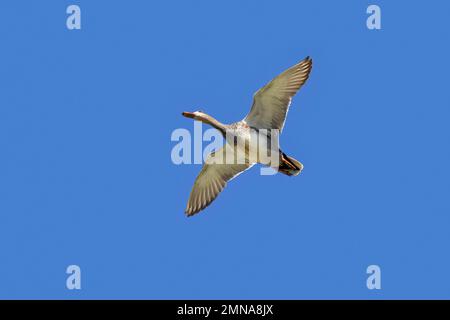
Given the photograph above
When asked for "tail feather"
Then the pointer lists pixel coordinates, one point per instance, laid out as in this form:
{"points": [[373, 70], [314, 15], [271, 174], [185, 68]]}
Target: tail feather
{"points": [[289, 166]]}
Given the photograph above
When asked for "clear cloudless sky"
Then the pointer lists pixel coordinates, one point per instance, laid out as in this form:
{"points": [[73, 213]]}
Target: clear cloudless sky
{"points": [[86, 176]]}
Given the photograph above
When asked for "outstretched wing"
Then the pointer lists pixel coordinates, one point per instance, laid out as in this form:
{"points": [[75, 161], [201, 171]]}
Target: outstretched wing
{"points": [[271, 102], [212, 179]]}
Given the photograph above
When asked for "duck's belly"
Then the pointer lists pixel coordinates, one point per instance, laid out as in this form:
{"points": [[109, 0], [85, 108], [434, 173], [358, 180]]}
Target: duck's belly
{"points": [[255, 146]]}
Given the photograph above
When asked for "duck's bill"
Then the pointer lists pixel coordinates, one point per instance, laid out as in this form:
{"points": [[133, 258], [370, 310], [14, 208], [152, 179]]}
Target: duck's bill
{"points": [[188, 115]]}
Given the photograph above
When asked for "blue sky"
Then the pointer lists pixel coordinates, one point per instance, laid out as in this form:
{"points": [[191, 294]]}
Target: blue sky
{"points": [[86, 176]]}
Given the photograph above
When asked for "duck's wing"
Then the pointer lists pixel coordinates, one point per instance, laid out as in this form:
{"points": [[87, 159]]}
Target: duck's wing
{"points": [[212, 179], [271, 102]]}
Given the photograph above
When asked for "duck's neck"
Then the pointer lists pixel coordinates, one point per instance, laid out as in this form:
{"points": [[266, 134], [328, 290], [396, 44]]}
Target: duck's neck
{"points": [[205, 118]]}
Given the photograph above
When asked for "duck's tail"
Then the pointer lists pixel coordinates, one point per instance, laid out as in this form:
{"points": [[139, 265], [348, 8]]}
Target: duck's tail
{"points": [[289, 166]]}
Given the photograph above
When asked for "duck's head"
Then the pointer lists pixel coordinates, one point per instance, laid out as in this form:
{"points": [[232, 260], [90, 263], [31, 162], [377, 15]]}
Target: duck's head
{"points": [[197, 115], [205, 118]]}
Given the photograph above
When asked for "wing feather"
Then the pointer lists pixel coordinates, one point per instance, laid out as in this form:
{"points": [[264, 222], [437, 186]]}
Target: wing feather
{"points": [[211, 180], [271, 102]]}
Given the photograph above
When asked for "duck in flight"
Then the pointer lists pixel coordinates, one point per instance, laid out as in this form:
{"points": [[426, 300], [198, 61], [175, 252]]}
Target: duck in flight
{"points": [[269, 110]]}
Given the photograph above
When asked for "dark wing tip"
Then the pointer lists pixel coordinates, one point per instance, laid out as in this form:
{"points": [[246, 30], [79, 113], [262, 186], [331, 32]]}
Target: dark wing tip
{"points": [[308, 60], [305, 63], [190, 212]]}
